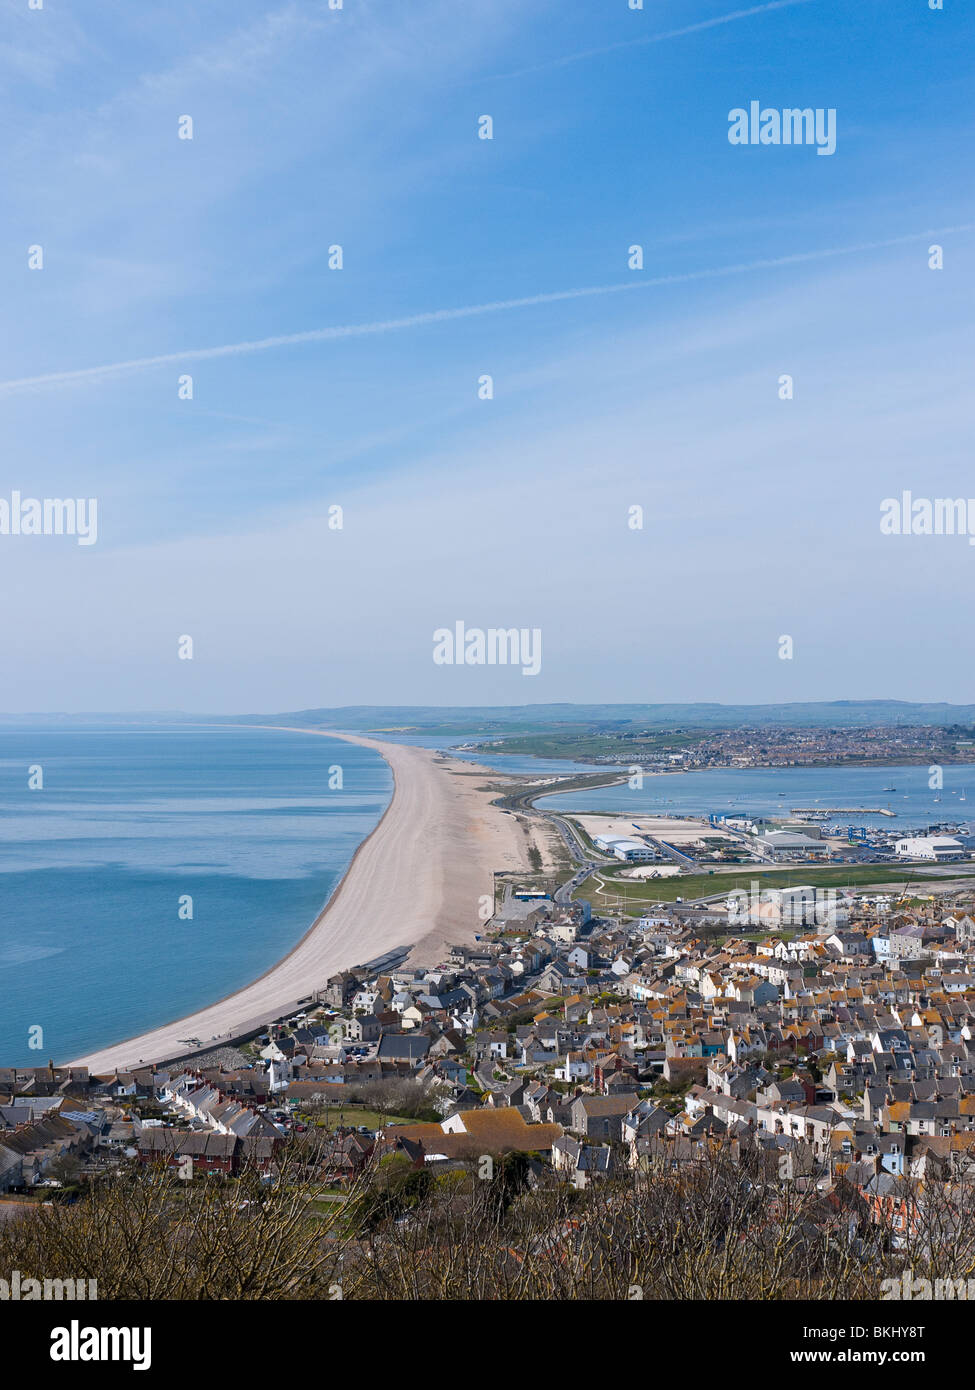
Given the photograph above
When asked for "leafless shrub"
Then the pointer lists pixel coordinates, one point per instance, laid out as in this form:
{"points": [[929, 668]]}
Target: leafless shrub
{"points": [[717, 1225]]}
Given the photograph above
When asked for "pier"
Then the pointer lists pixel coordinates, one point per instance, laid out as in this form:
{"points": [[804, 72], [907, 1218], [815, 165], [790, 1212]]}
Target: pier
{"points": [[841, 811]]}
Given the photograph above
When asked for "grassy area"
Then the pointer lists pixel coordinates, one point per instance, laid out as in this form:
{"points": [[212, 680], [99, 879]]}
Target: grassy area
{"points": [[350, 1115], [578, 745], [636, 892], [324, 1205]]}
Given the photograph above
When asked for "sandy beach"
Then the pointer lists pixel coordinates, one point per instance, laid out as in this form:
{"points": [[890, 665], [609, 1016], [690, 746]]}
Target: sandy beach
{"points": [[416, 881]]}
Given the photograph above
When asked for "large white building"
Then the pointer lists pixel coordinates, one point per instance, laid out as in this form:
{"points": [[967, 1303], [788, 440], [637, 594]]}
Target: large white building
{"points": [[633, 851], [792, 843], [940, 847], [630, 851]]}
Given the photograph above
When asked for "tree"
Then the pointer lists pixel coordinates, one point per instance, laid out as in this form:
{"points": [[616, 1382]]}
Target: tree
{"points": [[66, 1169]]}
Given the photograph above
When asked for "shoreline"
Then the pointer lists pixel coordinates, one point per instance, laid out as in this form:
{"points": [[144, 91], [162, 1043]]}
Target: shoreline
{"points": [[407, 885]]}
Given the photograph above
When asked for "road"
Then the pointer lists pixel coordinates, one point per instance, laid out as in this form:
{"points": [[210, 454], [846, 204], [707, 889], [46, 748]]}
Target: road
{"points": [[563, 895], [578, 852]]}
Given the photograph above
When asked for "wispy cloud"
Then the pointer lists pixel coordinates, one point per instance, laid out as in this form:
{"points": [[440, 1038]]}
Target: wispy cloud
{"points": [[435, 316], [655, 38]]}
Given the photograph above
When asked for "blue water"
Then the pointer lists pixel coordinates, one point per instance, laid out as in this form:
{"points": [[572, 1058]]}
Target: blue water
{"points": [[752, 790], [755, 791], [93, 865], [515, 764]]}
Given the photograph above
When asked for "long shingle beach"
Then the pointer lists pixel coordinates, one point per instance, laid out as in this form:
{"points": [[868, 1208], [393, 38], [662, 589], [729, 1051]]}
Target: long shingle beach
{"points": [[415, 881]]}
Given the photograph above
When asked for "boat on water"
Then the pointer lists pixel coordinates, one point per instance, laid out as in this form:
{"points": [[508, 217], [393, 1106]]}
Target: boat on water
{"points": [[888, 789]]}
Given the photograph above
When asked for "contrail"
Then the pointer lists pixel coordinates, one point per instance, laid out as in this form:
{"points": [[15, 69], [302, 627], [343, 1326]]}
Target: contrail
{"points": [[497, 306], [655, 38]]}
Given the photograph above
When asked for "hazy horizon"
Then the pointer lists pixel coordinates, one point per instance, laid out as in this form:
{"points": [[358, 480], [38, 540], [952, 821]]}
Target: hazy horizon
{"points": [[812, 713]]}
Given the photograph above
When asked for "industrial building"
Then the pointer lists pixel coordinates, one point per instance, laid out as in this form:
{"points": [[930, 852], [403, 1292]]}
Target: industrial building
{"points": [[940, 847], [789, 844], [634, 851], [630, 851]]}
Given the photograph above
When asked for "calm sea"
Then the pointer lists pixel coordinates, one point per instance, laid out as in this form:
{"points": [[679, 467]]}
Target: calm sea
{"points": [[756, 791], [94, 864]]}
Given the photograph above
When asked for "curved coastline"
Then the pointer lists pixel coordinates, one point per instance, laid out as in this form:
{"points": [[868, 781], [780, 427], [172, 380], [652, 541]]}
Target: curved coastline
{"points": [[407, 882]]}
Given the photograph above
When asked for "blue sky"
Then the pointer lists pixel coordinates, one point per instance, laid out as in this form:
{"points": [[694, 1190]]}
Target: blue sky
{"points": [[359, 127]]}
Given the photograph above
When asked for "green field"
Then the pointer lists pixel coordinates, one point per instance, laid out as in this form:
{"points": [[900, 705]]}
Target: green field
{"points": [[635, 893], [335, 1116], [623, 747]]}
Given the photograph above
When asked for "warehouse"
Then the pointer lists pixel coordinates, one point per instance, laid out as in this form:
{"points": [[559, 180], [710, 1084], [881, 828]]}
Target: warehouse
{"points": [[630, 851], [633, 851], [790, 843], [939, 847]]}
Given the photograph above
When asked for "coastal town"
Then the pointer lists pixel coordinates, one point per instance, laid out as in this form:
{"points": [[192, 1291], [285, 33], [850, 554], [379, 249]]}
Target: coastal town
{"points": [[686, 747], [837, 1039], [765, 1018]]}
